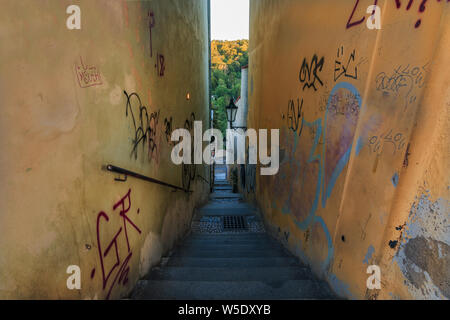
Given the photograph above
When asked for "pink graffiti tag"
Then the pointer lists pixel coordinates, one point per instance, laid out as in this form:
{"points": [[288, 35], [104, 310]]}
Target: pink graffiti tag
{"points": [[123, 214], [422, 8], [351, 23], [112, 250]]}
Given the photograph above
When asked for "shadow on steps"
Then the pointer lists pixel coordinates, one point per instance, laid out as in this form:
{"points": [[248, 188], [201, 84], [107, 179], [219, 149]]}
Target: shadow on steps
{"points": [[222, 260]]}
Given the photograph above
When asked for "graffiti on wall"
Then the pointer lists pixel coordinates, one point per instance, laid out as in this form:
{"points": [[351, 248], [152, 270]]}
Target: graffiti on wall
{"points": [[403, 81], [87, 76], [145, 125], [189, 171], [158, 59], [396, 141], [344, 103], [295, 116], [115, 252], [160, 65], [352, 21], [419, 5], [345, 65], [147, 134], [168, 128], [309, 72], [339, 132], [331, 147], [151, 24], [422, 6]]}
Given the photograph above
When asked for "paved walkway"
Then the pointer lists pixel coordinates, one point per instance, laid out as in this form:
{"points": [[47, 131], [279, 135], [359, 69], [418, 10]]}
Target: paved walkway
{"points": [[229, 256]]}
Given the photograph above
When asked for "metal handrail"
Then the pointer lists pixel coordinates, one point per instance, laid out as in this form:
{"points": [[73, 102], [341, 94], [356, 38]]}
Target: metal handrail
{"points": [[202, 178], [127, 173]]}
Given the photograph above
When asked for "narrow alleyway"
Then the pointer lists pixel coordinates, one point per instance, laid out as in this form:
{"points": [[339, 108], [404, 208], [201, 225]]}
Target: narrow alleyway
{"points": [[228, 255]]}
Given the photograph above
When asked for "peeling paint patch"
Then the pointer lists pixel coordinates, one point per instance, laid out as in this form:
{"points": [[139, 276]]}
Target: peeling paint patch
{"points": [[425, 257], [395, 180], [369, 254], [393, 243], [431, 256], [430, 219]]}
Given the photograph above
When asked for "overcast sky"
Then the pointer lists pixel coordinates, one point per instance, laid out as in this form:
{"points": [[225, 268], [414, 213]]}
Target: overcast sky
{"points": [[229, 19]]}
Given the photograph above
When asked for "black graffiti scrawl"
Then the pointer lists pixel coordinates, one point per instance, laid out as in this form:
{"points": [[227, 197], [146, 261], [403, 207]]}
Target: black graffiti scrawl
{"points": [[144, 124], [309, 72]]}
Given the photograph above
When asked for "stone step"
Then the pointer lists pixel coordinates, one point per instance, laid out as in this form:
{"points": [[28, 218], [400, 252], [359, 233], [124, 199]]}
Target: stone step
{"points": [[227, 242], [226, 211], [231, 253], [230, 274], [237, 236], [227, 208], [232, 262], [238, 205], [202, 245], [230, 266], [262, 242], [225, 195], [222, 184], [221, 181], [230, 204], [223, 188], [229, 290], [201, 240]]}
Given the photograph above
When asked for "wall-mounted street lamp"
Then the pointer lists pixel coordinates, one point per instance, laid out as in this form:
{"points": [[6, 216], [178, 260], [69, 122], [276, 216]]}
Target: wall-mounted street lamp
{"points": [[231, 112]]}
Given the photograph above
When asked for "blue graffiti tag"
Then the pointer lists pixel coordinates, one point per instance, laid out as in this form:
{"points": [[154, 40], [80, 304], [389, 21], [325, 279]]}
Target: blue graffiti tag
{"points": [[346, 157], [320, 131]]}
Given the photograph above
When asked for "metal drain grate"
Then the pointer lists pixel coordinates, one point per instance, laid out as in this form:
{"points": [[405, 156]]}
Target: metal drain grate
{"points": [[234, 223]]}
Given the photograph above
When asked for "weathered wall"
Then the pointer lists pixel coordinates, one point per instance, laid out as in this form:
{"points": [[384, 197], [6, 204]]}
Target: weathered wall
{"points": [[65, 114], [364, 118]]}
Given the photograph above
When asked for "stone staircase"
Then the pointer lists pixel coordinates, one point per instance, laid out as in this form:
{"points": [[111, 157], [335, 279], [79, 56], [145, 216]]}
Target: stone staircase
{"points": [[228, 256]]}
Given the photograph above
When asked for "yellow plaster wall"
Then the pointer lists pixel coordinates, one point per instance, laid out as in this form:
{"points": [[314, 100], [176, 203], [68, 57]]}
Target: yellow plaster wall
{"points": [[57, 131], [364, 173]]}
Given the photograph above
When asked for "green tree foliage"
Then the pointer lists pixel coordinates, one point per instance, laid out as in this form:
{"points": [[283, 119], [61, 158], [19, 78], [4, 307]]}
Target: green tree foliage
{"points": [[227, 59]]}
